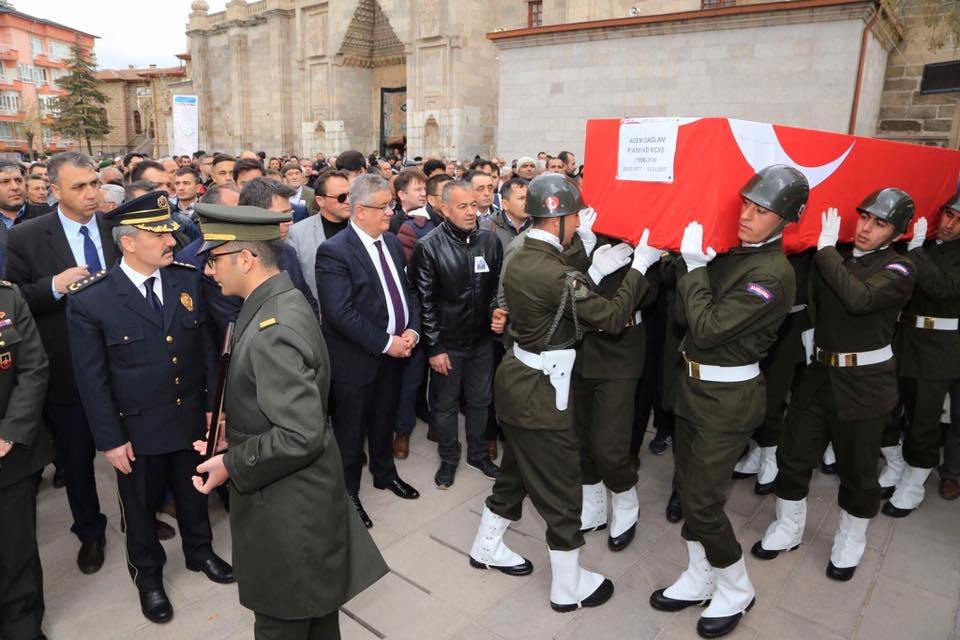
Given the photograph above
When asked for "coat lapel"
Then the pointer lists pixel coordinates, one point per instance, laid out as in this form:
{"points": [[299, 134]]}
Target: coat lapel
{"points": [[361, 255], [171, 296], [58, 241], [132, 298]]}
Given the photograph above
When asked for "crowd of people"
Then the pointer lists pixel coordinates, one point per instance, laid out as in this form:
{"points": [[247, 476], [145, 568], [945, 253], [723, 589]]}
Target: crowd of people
{"points": [[354, 295]]}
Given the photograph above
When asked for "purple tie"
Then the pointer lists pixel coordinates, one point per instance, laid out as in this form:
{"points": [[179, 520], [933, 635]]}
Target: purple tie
{"points": [[392, 289]]}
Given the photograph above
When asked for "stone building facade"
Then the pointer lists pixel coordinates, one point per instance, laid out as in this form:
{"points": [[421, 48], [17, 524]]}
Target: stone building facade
{"points": [[132, 94]]}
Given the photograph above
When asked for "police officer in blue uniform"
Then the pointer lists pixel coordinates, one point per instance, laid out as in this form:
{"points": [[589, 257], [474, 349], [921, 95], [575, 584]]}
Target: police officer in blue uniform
{"points": [[146, 368]]}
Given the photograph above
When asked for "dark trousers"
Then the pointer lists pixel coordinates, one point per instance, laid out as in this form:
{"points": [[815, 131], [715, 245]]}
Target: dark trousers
{"points": [[603, 419], [650, 391], [705, 458], [414, 369], [325, 628], [75, 451], [471, 373], [812, 423], [141, 496], [367, 410], [545, 465], [493, 423], [950, 469], [21, 576], [780, 369], [923, 405]]}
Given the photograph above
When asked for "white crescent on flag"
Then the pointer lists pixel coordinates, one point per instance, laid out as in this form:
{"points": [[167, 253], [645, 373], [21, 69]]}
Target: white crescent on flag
{"points": [[761, 148]]}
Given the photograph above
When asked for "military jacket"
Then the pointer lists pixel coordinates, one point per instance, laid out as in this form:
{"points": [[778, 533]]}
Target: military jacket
{"points": [[928, 353], [143, 377], [855, 303], [24, 372], [299, 547], [533, 285], [733, 309]]}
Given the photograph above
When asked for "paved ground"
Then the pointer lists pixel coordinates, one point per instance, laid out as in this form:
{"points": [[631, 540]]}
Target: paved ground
{"points": [[907, 586]]}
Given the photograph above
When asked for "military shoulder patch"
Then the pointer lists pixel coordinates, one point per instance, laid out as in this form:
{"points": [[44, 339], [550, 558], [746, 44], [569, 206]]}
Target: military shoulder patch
{"points": [[760, 291], [185, 265], [86, 282], [899, 267], [269, 322]]}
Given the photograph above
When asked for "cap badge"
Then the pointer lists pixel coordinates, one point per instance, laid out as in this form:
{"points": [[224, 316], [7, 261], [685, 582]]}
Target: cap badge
{"points": [[552, 203]]}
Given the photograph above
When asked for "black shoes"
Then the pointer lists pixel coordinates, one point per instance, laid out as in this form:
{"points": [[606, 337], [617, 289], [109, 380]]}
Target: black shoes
{"points": [[445, 474], [364, 518], [674, 512], [837, 573], [165, 531], [603, 593], [399, 488], [90, 557], [716, 627], [155, 605], [485, 466], [523, 569], [764, 489], [828, 469], [215, 568], [758, 552], [661, 602], [620, 542], [895, 512], [659, 445], [59, 479], [887, 492]]}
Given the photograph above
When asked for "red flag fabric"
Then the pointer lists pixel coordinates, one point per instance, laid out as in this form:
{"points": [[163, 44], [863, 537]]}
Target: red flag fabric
{"points": [[714, 158]]}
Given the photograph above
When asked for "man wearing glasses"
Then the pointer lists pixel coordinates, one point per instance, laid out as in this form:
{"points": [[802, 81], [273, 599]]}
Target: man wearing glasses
{"points": [[371, 324], [332, 188]]}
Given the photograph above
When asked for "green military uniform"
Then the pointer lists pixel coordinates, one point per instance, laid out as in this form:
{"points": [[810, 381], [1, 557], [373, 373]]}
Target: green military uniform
{"points": [[300, 550], [855, 303], [732, 310], [23, 383], [542, 447]]}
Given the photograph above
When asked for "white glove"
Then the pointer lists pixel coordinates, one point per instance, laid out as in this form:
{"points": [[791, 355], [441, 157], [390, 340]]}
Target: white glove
{"points": [[645, 256], [587, 217], [691, 248], [608, 259], [829, 228], [919, 234]]}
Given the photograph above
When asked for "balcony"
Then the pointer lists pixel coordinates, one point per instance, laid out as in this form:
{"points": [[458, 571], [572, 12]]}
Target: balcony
{"points": [[8, 53], [44, 60]]}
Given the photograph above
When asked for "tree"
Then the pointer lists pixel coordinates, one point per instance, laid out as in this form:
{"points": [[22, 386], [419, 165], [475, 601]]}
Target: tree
{"points": [[81, 110]]}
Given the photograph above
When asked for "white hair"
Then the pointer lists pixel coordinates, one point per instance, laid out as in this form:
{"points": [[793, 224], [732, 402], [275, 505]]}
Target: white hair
{"points": [[112, 193]]}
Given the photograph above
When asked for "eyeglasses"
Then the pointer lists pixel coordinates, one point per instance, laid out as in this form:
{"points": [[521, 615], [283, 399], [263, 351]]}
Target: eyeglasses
{"points": [[383, 208], [340, 198], [211, 258]]}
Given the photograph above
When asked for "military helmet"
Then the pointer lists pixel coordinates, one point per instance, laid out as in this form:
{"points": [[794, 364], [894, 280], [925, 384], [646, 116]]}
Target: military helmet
{"points": [[953, 202], [552, 195], [890, 204], [779, 188]]}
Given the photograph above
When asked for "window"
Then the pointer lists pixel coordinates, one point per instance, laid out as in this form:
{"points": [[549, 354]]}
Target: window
{"points": [[56, 74], [25, 72], [36, 45], [40, 75], [11, 131], [716, 4], [48, 105], [48, 135], [137, 123], [941, 77], [9, 102], [59, 51], [535, 13]]}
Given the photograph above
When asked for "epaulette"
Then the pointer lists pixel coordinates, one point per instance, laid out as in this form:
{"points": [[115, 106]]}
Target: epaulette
{"points": [[6, 283], [185, 265], [86, 282], [269, 322]]}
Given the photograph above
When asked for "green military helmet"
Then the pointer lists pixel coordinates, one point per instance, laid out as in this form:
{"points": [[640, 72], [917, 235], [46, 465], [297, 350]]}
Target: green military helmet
{"points": [[778, 188], [552, 195], [890, 204], [953, 202]]}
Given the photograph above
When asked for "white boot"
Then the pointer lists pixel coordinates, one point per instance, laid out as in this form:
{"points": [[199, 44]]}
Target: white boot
{"points": [[768, 469], [698, 582], [909, 492], [892, 472], [573, 586], [489, 550], [625, 509], [749, 464], [786, 531], [734, 595], [593, 513], [848, 546]]}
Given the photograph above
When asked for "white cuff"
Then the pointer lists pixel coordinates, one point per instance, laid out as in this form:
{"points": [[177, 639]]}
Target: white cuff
{"points": [[595, 275]]}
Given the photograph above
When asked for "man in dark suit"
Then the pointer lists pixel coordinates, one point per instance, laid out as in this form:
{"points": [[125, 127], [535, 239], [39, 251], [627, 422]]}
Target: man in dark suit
{"points": [[45, 256], [371, 323], [139, 333]]}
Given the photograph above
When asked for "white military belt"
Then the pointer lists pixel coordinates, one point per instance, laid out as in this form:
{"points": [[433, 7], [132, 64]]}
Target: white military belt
{"points": [[861, 359], [556, 364], [714, 373], [929, 322]]}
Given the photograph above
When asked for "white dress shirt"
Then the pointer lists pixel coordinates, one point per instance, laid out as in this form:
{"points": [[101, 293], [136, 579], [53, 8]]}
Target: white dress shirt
{"points": [[391, 329], [71, 229], [545, 236], [140, 281]]}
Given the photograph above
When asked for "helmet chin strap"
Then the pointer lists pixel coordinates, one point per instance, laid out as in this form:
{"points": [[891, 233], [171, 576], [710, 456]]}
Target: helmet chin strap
{"points": [[563, 220]]}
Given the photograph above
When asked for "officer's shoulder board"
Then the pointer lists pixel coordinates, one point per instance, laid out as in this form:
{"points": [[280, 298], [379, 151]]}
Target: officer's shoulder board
{"points": [[185, 265], [79, 285]]}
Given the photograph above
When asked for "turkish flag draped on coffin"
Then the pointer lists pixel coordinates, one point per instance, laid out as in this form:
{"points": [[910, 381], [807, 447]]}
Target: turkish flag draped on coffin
{"points": [[714, 157]]}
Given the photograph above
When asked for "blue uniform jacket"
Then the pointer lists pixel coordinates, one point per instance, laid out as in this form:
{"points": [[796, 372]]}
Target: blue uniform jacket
{"points": [[141, 378]]}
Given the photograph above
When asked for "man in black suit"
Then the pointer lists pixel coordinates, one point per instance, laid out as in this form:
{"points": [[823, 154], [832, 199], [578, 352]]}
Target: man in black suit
{"points": [[371, 320], [45, 256]]}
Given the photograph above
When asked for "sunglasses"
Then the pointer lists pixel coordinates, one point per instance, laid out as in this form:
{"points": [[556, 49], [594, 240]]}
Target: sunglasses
{"points": [[340, 198]]}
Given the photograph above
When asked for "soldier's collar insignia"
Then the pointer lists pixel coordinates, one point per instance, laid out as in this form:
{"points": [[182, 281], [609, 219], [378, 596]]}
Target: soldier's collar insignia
{"points": [[186, 301]]}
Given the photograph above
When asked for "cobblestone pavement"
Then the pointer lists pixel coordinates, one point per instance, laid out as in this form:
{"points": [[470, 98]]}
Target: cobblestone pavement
{"points": [[907, 585]]}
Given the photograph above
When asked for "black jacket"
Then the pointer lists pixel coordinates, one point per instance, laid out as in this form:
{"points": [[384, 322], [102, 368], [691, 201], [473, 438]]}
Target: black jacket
{"points": [[456, 274]]}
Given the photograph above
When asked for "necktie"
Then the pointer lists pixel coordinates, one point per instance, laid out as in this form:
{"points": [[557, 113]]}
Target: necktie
{"points": [[393, 290], [90, 254], [152, 300]]}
